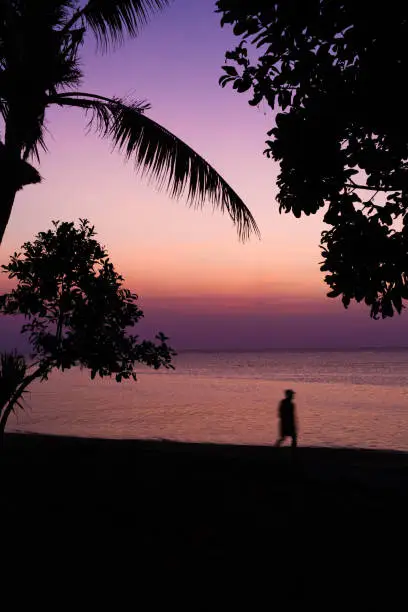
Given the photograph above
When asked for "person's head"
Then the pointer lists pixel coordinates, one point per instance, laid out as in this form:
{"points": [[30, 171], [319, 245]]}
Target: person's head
{"points": [[290, 394]]}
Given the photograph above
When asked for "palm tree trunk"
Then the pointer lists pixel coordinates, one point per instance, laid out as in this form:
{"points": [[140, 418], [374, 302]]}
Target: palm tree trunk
{"points": [[7, 197]]}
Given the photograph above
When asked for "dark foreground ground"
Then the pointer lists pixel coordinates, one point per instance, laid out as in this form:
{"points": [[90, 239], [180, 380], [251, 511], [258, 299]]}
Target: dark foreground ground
{"points": [[218, 526]]}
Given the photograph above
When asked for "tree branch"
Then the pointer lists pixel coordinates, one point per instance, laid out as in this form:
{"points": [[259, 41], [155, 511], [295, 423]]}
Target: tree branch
{"points": [[367, 188]]}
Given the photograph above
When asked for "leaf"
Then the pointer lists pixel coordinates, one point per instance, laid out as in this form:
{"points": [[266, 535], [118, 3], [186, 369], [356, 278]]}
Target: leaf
{"points": [[224, 80], [230, 70], [386, 308], [397, 301], [239, 28], [243, 84], [256, 99]]}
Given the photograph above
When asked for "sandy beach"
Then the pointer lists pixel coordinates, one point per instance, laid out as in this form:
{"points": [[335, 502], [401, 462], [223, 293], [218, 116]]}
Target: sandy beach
{"points": [[334, 515]]}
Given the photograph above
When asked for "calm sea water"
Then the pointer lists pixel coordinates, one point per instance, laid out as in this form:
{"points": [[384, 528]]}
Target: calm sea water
{"points": [[357, 399]]}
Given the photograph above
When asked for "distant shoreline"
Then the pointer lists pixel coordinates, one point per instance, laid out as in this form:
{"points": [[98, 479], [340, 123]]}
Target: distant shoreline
{"points": [[279, 350], [377, 349]]}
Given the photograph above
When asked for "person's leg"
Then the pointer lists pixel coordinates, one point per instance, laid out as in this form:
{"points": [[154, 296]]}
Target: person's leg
{"points": [[294, 440], [279, 441]]}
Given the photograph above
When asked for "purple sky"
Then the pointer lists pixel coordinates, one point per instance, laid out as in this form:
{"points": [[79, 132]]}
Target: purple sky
{"points": [[196, 281]]}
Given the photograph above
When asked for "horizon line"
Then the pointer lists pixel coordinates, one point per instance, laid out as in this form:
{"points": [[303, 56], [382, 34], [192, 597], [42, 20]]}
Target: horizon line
{"points": [[293, 349]]}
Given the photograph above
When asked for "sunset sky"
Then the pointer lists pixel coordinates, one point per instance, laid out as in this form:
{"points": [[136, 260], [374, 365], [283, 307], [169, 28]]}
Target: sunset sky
{"points": [[196, 281]]}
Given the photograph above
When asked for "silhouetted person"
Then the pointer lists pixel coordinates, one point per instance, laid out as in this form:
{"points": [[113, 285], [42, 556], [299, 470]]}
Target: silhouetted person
{"points": [[287, 419]]}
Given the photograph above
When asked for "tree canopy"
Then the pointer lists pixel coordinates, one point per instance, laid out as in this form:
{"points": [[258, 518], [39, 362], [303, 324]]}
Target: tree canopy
{"points": [[333, 73], [78, 313], [40, 67]]}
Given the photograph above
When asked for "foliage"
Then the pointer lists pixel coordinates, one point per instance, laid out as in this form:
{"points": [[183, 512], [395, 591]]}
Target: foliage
{"points": [[14, 380], [13, 370], [332, 72], [40, 67], [78, 312]]}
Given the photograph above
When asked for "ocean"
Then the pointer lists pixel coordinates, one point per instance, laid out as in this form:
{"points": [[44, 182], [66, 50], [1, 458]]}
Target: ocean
{"points": [[351, 399]]}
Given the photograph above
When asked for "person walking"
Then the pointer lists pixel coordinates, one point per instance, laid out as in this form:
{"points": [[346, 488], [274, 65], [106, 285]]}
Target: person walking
{"points": [[287, 419]]}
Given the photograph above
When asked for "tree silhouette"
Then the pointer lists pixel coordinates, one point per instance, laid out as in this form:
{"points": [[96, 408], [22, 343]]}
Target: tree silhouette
{"points": [[78, 314], [333, 72], [40, 43]]}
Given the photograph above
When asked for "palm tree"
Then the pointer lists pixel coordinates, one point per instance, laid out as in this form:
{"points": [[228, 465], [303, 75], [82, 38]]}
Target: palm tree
{"points": [[40, 41], [13, 370]]}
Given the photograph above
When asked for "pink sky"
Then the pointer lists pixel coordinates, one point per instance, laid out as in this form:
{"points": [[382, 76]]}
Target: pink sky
{"points": [[196, 281]]}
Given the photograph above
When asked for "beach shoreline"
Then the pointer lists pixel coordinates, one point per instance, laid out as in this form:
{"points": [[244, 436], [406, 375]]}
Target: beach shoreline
{"points": [[377, 468]]}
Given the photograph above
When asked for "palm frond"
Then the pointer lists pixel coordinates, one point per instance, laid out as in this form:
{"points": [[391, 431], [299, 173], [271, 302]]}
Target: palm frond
{"points": [[12, 372], [34, 63], [173, 164], [3, 107], [98, 108], [35, 140], [110, 20]]}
